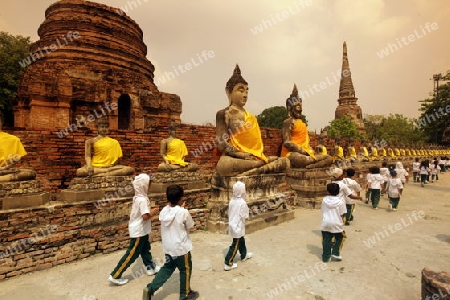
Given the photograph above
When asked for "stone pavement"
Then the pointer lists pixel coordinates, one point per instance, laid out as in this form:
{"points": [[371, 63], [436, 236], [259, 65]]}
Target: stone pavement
{"points": [[382, 259]]}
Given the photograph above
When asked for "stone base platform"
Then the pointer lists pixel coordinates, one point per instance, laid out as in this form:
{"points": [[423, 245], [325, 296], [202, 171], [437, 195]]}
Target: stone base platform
{"points": [[22, 194], [268, 206], [187, 180], [310, 185], [97, 188]]}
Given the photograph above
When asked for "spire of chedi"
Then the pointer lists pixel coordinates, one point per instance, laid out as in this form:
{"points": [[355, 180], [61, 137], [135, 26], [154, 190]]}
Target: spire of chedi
{"points": [[347, 101]]}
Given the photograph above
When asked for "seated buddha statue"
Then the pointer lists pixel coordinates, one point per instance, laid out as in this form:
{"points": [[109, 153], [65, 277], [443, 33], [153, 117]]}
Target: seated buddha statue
{"points": [[321, 149], [363, 154], [173, 152], [11, 151], [239, 137], [296, 145], [390, 154], [351, 153], [338, 153], [102, 154], [397, 152], [373, 155]]}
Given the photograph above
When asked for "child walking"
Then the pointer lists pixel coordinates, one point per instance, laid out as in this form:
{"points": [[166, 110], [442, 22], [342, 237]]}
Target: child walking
{"points": [[395, 189], [375, 180], [333, 211], [139, 228], [435, 170], [355, 190], [175, 225], [237, 213], [424, 172], [416, 170]]}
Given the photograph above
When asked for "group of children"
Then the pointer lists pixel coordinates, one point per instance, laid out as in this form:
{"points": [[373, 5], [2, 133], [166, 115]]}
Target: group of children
{"points": [[338, 207], [422, 171], [176, 222]]}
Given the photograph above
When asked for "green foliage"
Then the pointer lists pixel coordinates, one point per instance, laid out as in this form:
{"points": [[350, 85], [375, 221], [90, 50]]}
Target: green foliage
{"points": [[273, 117], [434, 118], [394, 129], [13, 49], [343, 129]]}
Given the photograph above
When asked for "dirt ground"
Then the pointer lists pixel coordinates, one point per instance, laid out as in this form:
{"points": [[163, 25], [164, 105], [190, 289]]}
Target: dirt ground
{"points": [[382, 259]]}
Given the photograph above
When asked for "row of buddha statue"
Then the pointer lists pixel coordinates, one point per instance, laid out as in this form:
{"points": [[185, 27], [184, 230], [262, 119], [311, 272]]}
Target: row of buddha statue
{"points": [[239, 141]]}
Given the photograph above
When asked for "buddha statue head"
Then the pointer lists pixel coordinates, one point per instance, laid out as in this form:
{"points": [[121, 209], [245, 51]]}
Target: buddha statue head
{"points": [[237, 89], [102, 125], [172, 130], [294, 104]]}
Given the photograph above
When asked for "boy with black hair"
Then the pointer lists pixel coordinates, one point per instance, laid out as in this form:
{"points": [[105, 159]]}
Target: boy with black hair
{"points": [[175, 225], [375, 180], [394, 188], [356, 189], [333, 210]]}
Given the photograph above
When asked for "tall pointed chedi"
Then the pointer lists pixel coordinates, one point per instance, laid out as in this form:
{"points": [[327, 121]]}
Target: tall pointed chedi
{"points": [[347, 101]]}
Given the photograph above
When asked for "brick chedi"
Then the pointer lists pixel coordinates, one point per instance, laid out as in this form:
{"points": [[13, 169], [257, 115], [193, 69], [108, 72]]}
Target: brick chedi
{"points": [[347, 101], [91, 60]]}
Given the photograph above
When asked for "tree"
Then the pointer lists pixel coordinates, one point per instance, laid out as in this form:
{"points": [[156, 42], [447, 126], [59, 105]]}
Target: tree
{"points": [[273, 117], [13, 49], [435, 113], [394, 129], [343, 128]]}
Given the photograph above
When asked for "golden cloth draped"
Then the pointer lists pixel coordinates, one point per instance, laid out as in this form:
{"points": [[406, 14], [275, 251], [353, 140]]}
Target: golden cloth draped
{"points": [[339, 152], [248, 139], [365, 152], [352, 152], [383, 152], [300, 137], [374, 151], [11, 149], [176, 151], [106, 152], [396, 152]]}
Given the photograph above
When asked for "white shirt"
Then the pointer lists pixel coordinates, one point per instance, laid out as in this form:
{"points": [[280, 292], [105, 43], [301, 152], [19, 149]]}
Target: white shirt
{"points": [[385, 173], [435, 169], [394, 185], [137, 226], [353, 186], [333, 207], [344, 190], [416, 166], [424, 170], [375, 181], [402, 174], [175, 224], [237, 211]]}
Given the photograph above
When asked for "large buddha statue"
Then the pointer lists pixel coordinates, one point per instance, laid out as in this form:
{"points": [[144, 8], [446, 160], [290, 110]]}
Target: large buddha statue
{"points": [[11, 151], [102, 154], [239, 137], [296, 138], [373, 152], [363, 153], [173, 152]]}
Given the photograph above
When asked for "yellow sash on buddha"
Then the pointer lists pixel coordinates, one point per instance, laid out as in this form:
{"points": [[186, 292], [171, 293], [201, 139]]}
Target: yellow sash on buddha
{"points": [[365, 152], [300, 137], [383, 152], [176, 151], [374, 151], [339, 152], [402, 152], [396, 152], [248, 139], [106, 152], [352, 152], [413, 152], [11, 149], [323, 150]]}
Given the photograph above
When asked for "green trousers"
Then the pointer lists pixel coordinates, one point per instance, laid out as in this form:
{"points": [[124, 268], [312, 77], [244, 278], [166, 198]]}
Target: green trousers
{"points": [[348, 217], [184, 264], [375, 197], [394, 201], [238, 244], [329, 238], [138, 246]]}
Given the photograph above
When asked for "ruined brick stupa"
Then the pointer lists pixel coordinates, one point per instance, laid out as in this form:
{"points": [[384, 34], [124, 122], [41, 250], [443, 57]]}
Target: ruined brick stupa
{"points": [[347, 101], [90, 57]]}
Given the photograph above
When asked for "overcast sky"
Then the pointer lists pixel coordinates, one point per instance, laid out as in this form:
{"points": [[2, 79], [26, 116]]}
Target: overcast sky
{"points": [[279, 43]]}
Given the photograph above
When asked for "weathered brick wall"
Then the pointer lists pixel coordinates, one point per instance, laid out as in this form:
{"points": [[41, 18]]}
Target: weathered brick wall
{"points": [[56, 159], [40, 238]]}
